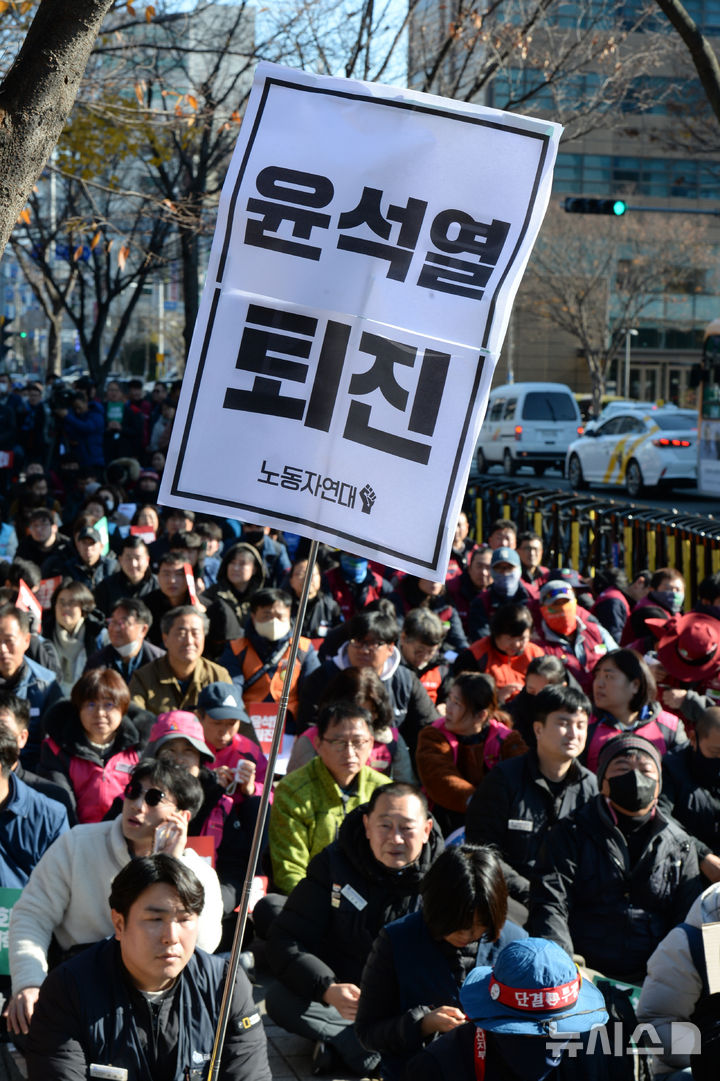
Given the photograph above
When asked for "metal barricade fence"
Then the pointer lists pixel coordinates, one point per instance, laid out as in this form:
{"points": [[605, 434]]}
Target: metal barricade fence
{"points": [[585, 532]]}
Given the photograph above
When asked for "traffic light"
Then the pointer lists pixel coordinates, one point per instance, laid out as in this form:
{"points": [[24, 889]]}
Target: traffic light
{"points": [[6, 335], [614, 207]]}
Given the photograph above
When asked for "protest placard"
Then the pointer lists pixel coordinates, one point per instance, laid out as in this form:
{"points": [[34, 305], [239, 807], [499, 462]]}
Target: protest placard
{"points": [[369, 244]]}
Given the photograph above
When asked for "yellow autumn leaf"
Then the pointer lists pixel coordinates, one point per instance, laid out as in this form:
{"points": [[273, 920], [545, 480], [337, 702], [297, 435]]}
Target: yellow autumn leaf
{"points": [[139, 93], [25, 216], [130, 8], [25, 6], [95, 241], [122, 256], [192, 101], [4, 5], [77, 253], [149, 13]]}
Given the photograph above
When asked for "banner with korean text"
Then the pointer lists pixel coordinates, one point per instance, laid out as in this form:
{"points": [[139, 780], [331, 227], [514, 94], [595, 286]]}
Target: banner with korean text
{"points": [[369, 245]]}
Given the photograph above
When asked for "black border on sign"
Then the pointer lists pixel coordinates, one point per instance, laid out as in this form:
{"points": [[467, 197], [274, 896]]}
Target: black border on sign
{"points": [[408, 106]]}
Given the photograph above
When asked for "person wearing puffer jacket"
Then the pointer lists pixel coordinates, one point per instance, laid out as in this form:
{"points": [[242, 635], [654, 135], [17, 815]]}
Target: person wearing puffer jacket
{"points": [[92, 746], [318, 944], [674, 987]]}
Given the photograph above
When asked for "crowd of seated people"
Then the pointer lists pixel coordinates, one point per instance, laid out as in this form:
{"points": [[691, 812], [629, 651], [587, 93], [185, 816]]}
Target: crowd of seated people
{"points": [[516, 751]]}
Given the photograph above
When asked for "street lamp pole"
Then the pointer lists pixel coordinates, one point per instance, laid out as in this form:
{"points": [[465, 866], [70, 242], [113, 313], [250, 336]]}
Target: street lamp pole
{"points": [[630, 333]]}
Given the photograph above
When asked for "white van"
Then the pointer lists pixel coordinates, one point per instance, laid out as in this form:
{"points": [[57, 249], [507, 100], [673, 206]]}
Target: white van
{"points": [[528, 424]]}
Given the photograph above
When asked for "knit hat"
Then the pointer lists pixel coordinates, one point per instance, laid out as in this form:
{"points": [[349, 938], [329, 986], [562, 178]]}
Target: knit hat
{"points": [[533, 989], [622, 745], [179, 724]]}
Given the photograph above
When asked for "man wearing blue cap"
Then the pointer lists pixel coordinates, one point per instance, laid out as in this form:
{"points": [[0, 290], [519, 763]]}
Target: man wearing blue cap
{"points": [[524, 1011], [506, 588]]}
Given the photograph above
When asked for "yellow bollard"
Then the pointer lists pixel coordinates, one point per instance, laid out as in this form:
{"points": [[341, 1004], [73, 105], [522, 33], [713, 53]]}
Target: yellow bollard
{"points": [[652, 549], [715, 557], [478, 520], [627, 546], [670, 549], [575, 545], [686, 557]]}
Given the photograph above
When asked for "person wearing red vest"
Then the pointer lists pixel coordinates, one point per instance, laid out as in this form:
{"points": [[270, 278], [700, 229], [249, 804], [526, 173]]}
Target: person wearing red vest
{"points": [[421, 639], [530, 551], [568, 631], [463, 588], [354, 585], [257, 661], [505, 653], [92, 747], [625, 697], [455, 752]]}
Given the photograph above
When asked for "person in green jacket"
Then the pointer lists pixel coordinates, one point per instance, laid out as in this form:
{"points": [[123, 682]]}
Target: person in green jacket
{"points": [[310, 804]]}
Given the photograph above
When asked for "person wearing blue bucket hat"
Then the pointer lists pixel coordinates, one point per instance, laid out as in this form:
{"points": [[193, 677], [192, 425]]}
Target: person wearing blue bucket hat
{"points": [[524, 1011]]}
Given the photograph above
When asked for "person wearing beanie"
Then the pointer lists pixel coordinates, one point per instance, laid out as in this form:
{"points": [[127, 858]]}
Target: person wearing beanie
{"points": [[615, 876]]}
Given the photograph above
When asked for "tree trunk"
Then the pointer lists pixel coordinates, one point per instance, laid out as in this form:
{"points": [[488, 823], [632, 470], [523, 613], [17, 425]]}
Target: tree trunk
{"points": [[701, 51], [54, 346], [37, 95], [191, 288]]}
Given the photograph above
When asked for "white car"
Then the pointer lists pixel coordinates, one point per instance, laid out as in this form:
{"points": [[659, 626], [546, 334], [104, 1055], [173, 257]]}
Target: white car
{"points": [[638, 449]]}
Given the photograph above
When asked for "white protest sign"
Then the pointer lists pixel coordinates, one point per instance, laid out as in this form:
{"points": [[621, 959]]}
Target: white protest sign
{"points": [[369, 245]]}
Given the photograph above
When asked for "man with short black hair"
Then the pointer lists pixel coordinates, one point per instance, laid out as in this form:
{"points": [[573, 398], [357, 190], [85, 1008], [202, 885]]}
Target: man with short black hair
{"points": [[43, 540], [521, 798], [128, 648], [171, 592], [65, 896], [25, 677], [146, 1003], [133, 578], [15, 715], [29, 821]]}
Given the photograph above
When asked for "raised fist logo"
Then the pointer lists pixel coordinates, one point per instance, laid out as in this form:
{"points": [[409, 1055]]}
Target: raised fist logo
{"points": [[368, 498]]}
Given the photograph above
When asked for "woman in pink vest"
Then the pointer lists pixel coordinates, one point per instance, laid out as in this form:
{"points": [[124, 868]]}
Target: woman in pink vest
{"points": [[625, 698], [91, 745], [455, 752]]}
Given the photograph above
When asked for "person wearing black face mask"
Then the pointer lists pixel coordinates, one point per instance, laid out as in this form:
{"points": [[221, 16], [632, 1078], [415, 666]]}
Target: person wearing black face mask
{"points": [[691, 790], [614, 877]]}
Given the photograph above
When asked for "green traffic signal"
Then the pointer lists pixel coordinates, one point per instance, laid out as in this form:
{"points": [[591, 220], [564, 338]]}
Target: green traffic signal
{"points": [[584, 205]]}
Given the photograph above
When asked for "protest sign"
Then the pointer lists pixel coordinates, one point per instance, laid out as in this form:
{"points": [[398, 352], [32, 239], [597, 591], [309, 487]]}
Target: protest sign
{"points": [[28, 602], [8, 897], [369, 244], [45, 590]]}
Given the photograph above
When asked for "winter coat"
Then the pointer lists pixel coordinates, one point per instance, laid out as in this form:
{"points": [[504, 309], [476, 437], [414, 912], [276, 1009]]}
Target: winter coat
{"points": [[93, 779], [89, 576], [328, 925], [409, 596], [67, 897], [693, 799], [108, 657], [581, 652], [228, 610], [451, 767], [411, 705], [484, 656], [408, 975], [514, 807], [486, 604], [155, 687], [321, 615], [353, 597], [612, 609], [664, 730], [609, 900], [307, 812], [246, 657], [118, 586], [39, 686], [461, 593], [88, 1012], [29, 823], [673, 986], [390, 754], [85, 434]]}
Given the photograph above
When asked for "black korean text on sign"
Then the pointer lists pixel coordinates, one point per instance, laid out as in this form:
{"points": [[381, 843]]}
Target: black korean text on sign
{"points": [[297, 197], [368, 212], [272, 341], [289, 196], [465, 277]]}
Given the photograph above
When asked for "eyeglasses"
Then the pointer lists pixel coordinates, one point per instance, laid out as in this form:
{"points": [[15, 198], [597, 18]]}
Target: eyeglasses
{"points": [[349, 744], [366, 647], [151, 796]]}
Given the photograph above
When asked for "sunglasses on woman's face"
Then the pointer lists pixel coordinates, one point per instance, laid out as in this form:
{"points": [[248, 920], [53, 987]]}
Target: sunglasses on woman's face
{"points": [[151, 796]]}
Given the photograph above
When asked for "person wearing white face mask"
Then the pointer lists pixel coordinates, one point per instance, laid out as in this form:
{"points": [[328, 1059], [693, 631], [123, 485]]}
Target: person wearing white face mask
{"points": [[505, 588], [257, 661]]}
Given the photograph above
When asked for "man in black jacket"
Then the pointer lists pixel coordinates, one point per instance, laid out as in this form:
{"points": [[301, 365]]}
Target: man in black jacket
{"points": [[318, 944], [519, 800], [616, 876], [145, 1003]]}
